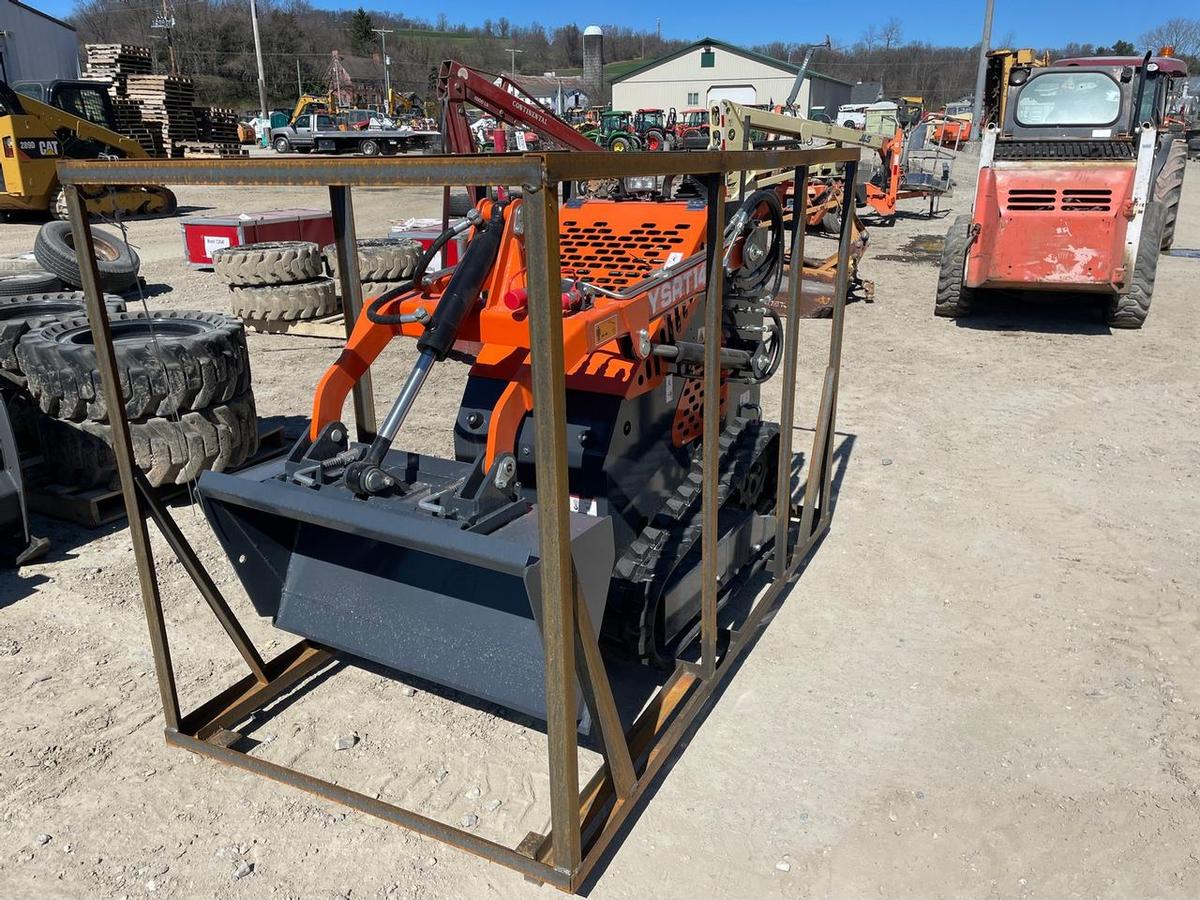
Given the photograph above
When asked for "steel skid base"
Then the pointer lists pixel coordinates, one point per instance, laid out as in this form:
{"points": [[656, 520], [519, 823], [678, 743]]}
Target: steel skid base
{"points": [[583, 823]]}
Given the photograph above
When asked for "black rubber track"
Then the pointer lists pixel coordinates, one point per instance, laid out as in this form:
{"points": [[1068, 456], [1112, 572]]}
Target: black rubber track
{"points": [[169, 362], [32, 282], [167, 450], [21, 313], [116, 262]]}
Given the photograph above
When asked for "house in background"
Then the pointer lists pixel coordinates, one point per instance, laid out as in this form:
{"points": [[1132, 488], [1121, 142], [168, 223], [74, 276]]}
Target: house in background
{"points": [[711, 70], [35, 46]]}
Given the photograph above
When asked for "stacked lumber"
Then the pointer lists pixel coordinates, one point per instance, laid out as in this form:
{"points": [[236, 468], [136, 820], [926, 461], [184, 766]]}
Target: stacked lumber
{"points": [[215, 124], [113, 64], [210, 149], [165, 100], [116, 59]]}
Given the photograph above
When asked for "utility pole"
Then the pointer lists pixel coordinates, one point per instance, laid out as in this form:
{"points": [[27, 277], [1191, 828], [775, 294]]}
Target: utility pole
{"points": [[299, 86], [387, 78], [981, 76], [512, 55], [165, 21], [262, 76]]}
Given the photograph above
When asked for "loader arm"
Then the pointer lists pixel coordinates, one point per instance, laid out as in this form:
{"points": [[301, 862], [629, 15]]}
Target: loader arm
{"points": [[459, 85], [54, 121]]}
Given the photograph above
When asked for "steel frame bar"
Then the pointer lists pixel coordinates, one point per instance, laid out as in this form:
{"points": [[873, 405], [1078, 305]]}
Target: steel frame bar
{"points": [[345, 240], [583, 824]]}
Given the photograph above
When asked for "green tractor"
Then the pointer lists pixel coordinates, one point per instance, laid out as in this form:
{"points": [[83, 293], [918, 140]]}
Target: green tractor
{"points": [[615, 131]]}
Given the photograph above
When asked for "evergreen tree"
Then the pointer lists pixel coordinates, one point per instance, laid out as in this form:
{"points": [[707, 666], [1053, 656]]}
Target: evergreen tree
{"points": [[362, 38]]}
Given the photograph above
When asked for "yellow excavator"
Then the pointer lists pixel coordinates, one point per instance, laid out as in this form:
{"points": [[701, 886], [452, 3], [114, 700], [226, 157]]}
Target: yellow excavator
{"points": [[43, 122]]}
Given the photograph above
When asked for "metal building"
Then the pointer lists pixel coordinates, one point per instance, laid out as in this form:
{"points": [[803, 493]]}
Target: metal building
{"points": [[710, 70], [35, 46]]}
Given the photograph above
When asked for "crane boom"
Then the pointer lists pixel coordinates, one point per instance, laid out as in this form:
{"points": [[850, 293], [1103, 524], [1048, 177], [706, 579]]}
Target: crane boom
{"points": [[507, 102]]}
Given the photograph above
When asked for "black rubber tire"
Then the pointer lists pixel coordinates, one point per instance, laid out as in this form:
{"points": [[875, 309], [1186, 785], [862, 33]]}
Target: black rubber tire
{"points": [[655, 136], [621, 143], [21, 313], [168, 363], [1129, 310], [116, 262], [19, 262], [35, 282], [380, 259], [460, 203], [279, 262], [369, 147], [168, 450], [285, 302], [281, 145], [1168, 189], [954, 299]]}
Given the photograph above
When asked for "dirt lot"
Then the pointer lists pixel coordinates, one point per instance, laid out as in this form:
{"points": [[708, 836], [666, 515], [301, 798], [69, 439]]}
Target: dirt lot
{"points": [[986, 685]]}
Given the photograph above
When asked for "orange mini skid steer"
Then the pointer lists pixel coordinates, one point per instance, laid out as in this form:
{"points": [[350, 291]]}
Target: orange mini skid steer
{"points": [[430, 566]]}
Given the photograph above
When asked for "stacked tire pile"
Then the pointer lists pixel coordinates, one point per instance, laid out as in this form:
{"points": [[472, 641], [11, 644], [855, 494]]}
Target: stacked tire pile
{"points": [[185, 379], [276, 282], [383, 263], [293, 281], [54, 266]]}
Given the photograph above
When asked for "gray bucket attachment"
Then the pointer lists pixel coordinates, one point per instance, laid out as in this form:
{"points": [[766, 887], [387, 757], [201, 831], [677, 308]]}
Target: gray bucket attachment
{"points": [[386, 579], [17, 545]]}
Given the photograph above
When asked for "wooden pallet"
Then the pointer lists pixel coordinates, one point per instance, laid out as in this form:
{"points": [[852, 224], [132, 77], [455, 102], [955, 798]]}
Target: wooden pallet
{"points": [[323, 327], [97, 507], [210, 149]]}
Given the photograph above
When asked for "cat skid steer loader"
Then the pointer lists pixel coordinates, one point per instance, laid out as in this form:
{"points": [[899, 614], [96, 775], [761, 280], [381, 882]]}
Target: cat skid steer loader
{"points": [[76, 121]]}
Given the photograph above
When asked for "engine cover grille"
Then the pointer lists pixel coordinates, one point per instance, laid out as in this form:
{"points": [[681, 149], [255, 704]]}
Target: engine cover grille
{"points": [[1032, 150]]}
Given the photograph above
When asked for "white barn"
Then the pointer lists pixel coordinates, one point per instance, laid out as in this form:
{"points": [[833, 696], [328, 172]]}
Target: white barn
{"points": [[35, 46], [711, 70]]}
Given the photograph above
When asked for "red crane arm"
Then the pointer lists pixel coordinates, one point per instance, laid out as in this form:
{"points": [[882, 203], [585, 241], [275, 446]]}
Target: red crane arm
{"points": [[459, 84]]}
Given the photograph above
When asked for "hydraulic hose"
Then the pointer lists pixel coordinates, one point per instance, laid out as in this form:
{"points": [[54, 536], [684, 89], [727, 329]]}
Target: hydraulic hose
{"points": [[473, 218], [765, 278]]}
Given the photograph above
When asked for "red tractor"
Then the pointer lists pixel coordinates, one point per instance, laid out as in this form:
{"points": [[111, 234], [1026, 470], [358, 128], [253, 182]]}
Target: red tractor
{"points": [[689, 129], [651, 126], [1078, 190]]}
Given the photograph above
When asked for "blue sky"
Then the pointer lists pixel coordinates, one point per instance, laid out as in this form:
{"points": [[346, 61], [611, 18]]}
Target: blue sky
{"points": [[1036, 23]]}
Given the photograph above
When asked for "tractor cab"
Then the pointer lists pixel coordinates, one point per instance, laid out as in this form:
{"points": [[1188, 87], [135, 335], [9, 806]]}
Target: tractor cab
{"points": [[84, 99], [1078, 187]]}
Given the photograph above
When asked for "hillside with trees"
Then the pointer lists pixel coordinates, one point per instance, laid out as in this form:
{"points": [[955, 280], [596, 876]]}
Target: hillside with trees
{"points": [[214, 44]]}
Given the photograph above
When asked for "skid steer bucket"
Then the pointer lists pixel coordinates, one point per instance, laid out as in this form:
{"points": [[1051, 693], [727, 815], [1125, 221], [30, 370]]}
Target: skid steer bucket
{"points": [[387, 580]]}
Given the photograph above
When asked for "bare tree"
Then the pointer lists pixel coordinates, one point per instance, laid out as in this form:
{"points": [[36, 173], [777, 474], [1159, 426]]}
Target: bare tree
{"points": [[1180, 33], [891, 32], [870, 38]]}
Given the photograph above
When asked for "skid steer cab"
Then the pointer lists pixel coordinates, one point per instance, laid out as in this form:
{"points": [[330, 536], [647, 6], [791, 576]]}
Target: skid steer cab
{"points": [[431, 566], [1078, 188]]}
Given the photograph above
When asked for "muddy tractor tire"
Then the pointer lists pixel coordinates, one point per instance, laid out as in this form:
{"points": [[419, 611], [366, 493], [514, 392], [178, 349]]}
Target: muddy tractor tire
{"points": [[1168, 189], [168, 363], [285, 302], [25, 312], [954, 298], [255, 265], [116, 261], [35, 282], [621, 143], [380, 259], [1129, 310], [168, 450]]}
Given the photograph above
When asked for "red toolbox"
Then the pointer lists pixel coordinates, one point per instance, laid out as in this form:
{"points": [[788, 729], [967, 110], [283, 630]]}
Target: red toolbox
{"points": [[204, 235]]}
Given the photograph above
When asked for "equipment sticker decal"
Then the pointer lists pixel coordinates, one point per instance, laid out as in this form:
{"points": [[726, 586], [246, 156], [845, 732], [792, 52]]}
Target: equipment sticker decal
{"points": [[606, 330], [35, 149]]}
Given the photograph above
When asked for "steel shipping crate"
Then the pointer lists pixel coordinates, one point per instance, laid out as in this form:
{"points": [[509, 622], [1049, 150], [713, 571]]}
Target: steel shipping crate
{"points": [[204, 235]]}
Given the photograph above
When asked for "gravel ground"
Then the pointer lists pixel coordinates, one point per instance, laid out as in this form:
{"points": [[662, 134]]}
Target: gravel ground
{"points": [[985, 685]]}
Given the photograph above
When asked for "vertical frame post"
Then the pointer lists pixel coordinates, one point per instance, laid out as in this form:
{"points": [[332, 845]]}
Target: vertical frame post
{"points": [[139, 534], [345, 241], [540, 213], [713, 304], [787, 411], [837, 326]]}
